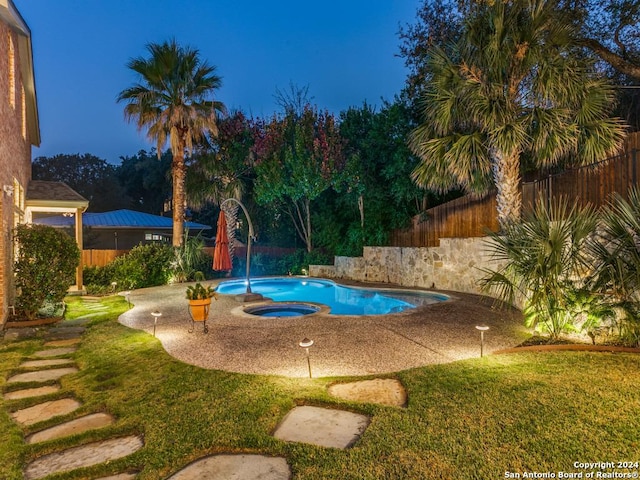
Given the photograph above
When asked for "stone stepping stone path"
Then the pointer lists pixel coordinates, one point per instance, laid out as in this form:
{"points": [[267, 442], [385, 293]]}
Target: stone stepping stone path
{"points": [[42, 375], [72, 427], [63, 343], [62, 334], [322, 426], [45, 411], [31, 392], [55, 352], [82, 456], [386, 391], [45, 363], [245, 467]]}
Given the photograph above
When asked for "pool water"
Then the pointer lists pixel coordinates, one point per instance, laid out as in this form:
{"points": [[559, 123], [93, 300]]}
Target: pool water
{"points": [[340, 299]]}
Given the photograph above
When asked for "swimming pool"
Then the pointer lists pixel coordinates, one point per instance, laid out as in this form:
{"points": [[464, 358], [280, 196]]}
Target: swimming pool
{"points": [[340, 299]]}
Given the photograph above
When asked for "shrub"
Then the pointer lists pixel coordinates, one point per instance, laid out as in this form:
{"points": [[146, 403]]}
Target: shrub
{"points": [[617, 257], [544, 258], [45, 267], [187, 258], [144, 266]]}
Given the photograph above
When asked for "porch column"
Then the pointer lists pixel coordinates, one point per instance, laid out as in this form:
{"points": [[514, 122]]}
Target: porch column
{"points": [[79, 285]]}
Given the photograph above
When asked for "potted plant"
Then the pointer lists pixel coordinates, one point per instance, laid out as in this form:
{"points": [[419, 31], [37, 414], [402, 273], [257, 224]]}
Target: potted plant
{"points": [[199, 297]]}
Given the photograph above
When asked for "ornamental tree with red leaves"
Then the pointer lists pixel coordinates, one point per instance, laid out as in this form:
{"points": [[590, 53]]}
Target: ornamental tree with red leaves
{"points": [[298, 157]]}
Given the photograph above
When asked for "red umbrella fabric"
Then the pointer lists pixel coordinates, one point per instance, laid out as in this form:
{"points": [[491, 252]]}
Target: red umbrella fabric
{"points": [[221, 257]]}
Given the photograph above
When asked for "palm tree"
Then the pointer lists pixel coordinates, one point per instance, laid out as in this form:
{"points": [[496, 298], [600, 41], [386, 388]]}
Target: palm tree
{"points": [[514, 87], [172, 100], [542, 260], [617, 258]]}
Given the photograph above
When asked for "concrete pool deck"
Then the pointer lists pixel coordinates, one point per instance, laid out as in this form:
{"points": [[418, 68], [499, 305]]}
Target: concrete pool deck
{"points": [[343, 345]]}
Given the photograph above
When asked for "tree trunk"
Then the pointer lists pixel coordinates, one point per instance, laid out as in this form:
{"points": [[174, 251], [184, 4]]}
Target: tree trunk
{"points": [[178, 170], [616, 61], [506, 175]]}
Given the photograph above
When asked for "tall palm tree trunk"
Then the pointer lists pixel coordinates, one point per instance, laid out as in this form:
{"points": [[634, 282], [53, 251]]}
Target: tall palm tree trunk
{"points": [[506, 174], [178, 170]]}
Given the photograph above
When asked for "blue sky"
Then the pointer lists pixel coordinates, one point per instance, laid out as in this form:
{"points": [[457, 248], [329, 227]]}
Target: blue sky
{"points": [[344, 50]]}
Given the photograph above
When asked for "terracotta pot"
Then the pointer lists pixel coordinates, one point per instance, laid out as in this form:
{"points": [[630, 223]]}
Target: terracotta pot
{"points": [[199, 309]]}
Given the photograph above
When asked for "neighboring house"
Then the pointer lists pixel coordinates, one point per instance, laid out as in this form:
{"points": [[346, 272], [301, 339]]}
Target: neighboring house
{"points": [[122, 229]]}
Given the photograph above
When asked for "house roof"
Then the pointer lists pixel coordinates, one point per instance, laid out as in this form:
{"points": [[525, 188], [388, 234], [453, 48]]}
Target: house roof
{"points": [[46, 194], [9, 14], [121, 219]]}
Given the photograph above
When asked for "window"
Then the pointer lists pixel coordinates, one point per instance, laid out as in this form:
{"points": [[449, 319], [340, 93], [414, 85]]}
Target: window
{"points": [[153, 237]]}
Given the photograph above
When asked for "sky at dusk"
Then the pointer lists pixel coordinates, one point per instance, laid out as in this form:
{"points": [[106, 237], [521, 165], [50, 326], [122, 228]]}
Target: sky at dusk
{"points": [[344, 50]]}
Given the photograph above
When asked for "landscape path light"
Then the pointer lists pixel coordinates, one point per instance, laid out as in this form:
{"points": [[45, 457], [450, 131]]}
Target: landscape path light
{"points": [[306, 343], [482, 328], [155, 315], [126, 295]]}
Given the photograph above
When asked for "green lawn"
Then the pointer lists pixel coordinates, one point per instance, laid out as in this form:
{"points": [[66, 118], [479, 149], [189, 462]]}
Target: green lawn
{"points": [[474, 419]]}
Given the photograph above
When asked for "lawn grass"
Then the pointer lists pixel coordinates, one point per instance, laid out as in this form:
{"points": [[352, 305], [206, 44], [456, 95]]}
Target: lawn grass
{"points": [[473, 419]]}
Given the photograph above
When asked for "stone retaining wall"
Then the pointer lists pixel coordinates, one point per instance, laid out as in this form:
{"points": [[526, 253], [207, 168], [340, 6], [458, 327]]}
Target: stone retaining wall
{"points": [[455, 265]]}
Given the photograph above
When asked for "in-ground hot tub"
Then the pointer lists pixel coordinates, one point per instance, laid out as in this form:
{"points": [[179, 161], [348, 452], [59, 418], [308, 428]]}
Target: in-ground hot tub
{"points": [[282, 310]]}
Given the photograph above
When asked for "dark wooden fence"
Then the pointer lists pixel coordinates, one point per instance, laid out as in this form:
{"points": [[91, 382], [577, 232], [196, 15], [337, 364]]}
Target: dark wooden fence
{"points": [[466, 216], [591, 184], [99, 258], [472, 217]]}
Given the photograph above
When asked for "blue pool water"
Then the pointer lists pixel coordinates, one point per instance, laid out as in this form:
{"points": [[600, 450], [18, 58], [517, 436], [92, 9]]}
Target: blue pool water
{"points": [[340, 299]]}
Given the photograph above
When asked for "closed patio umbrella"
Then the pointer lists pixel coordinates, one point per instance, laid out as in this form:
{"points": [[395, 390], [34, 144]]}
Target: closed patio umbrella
{"points": [[221, 258]]}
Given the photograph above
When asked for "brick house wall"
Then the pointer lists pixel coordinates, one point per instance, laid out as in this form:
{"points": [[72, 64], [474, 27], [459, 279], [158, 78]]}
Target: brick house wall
{"points": [[17, 103]]}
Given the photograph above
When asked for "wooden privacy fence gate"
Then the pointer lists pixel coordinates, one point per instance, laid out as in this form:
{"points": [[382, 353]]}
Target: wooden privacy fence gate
{"points": [[470, 216]]}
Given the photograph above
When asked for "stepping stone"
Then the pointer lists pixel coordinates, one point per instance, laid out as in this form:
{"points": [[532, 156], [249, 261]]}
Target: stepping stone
{"points": [[12, 334], [386, 391], [46, 363], [246, 467], [82, 456], [67, 330], [63, 343], [54, 352], [322, 426], [31, 392], [62, 334], [79, 425], [42, 375], [45, 411]]}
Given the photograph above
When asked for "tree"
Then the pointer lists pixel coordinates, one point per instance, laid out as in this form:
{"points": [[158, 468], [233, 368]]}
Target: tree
{"points": [[512, 88], [223, 170], [172, 101], [146, 180], [375, 181], [296, 160], [608, 28], [611, 30], [90, 176]]}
